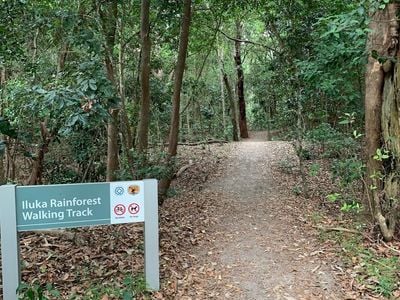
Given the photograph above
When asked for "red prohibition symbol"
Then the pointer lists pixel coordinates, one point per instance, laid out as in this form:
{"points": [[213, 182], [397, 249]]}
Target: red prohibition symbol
{"points": [[133, 208], [119, 209]]}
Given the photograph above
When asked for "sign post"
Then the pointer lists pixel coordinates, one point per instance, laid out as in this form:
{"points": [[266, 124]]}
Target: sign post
{"points": [[151, 257], [9, 242], [28, 208]]}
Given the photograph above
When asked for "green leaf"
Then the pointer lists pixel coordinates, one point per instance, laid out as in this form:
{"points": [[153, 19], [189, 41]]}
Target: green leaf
{"points": [[333, 197], [127, 295], [72, 120], [92, 85]]}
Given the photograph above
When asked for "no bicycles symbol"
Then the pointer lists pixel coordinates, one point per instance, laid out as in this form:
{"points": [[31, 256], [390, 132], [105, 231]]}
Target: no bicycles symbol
{"points": [[119, 209], [133, 208]]}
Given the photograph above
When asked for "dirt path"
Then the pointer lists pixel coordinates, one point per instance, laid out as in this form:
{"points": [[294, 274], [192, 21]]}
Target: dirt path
{"points": [[258, 246]]}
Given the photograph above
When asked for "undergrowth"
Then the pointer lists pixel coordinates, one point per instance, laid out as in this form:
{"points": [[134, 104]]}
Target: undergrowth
{"points": [[129, 289], [336, 171], [373, 270]]}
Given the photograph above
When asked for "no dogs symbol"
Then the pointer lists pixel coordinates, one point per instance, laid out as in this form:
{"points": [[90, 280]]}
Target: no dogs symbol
{"points": [[133, 208]]}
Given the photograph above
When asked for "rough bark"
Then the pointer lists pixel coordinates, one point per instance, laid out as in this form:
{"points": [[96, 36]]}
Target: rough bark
{"points": [[381, 119], [144, 119], [108, 15], [176, 97], [240, 83]]}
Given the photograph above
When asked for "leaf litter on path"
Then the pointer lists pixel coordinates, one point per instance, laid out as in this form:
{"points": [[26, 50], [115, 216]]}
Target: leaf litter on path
{"points": [[232, 231]]}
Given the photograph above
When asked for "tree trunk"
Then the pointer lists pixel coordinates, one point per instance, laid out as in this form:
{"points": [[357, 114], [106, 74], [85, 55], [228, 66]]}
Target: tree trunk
{"points": [[127, 139], [220, 54], [144, 119], [62, 57], [240, 83], [37, 167], [179, 70], [235, 135], [3, 76], [108, 15], [382, 125]]}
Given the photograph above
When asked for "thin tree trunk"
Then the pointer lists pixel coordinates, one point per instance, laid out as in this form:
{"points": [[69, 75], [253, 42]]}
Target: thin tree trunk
{"points": [[188, 129], [179, 70], [240, 83], [235, 135], [144, 119], [35, 45], [62, 57], [220, 54], [108, 14], [37, 167], [3, 76], [125, 126]]}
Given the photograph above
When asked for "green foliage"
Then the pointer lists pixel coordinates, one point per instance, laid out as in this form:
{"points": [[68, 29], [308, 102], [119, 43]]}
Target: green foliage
{"points": [[377, 273], [348, 170], [130, 288], [352, 206], [381, 154], [347, 204], [151, 165], [333, 73], [35, 291], [330, 142], [333, 197], [314, 169]]}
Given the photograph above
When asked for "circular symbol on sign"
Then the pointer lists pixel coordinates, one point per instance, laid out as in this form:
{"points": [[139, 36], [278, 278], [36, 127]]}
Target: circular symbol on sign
{"points": [[119, 209], [119, 190], [133, 208]]}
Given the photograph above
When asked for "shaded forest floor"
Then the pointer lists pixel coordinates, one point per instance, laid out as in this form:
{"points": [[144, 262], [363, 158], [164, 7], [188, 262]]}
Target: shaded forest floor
{"points": [[233, 230]]}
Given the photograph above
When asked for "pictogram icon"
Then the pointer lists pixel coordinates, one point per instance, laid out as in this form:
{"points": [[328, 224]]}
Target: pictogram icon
{"points": [[133, 208], [119, 209], [133, 189], [119, 190]]}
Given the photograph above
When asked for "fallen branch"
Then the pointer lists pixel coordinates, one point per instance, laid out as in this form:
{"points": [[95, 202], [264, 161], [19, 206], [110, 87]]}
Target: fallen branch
{"points": [[183, 169], [203, 142], [391, 248], [341, 229]]}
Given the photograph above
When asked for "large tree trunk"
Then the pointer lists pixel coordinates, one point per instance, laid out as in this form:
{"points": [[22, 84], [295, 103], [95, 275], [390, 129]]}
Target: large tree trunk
{"points": [[144, 119], [382, 125], [108, 15], [176, 98], [240, 83]]}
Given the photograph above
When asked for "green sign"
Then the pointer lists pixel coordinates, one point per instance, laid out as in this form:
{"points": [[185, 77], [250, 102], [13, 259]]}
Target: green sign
{"points": [[77, 205], [72, 205]]}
